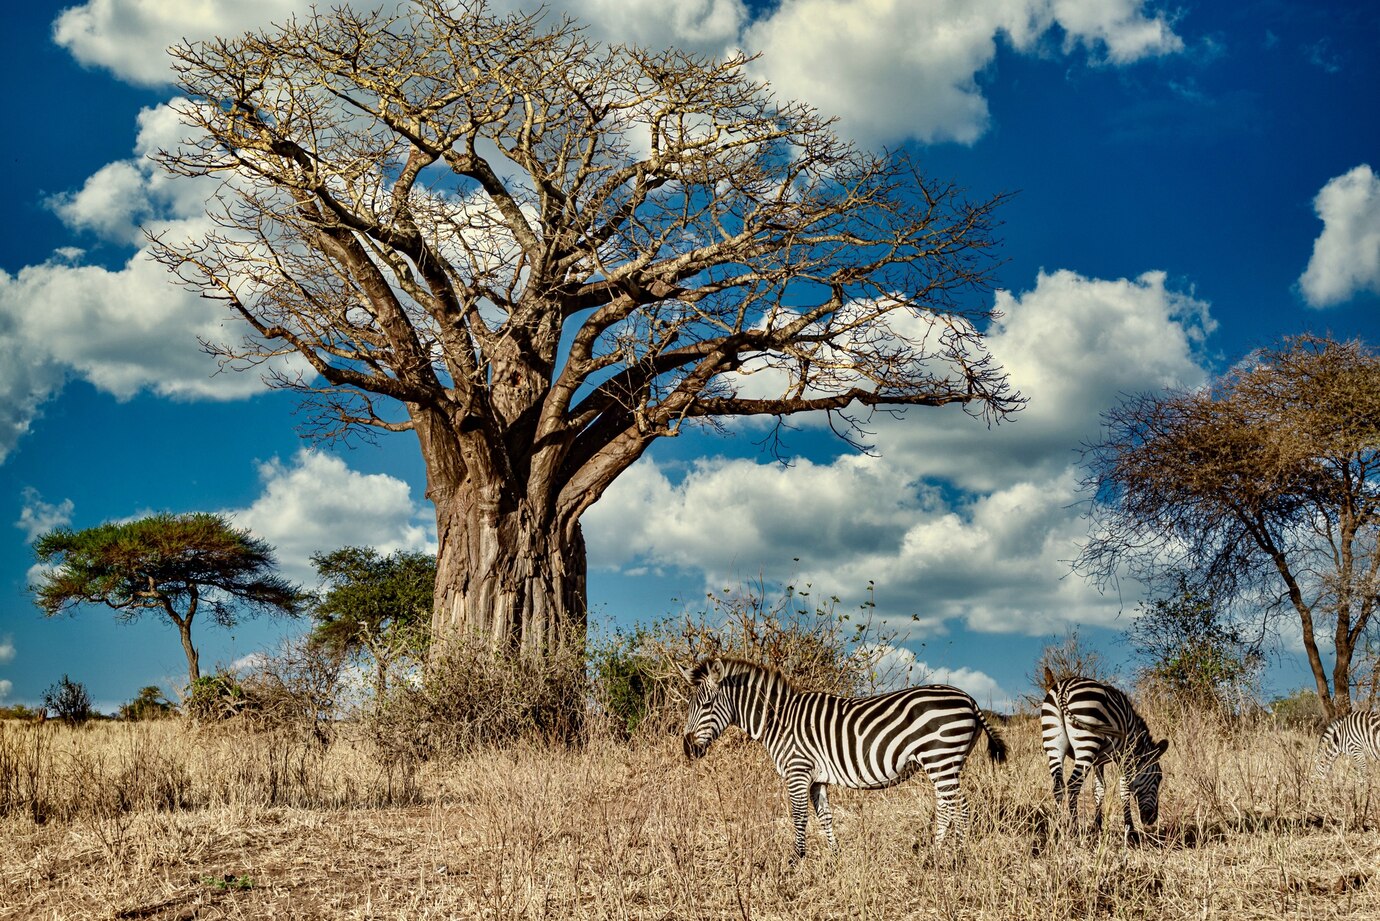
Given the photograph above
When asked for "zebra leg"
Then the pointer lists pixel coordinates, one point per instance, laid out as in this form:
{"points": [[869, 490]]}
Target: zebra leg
{"points": [[1056, 772], [1075, 786], [1099, 796], [798, 787], [1132, 836], [819, 796], [950, 811], [1357, 752]]}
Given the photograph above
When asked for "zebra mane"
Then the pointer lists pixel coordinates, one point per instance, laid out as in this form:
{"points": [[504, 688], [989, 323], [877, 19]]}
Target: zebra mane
{"points": [[768, 674]]}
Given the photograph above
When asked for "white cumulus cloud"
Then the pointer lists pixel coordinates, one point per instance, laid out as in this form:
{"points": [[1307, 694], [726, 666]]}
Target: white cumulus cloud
{"points": [[952, 522], [889, 70], [899, 668], [128, 329], [895, 70], [38, 517], [6, 650], [316, 503], [1346, 255]]}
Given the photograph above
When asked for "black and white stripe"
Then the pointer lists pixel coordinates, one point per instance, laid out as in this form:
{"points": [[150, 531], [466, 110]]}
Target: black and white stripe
{"points": [[1357, 734], [1095, 724], [816, 739]]}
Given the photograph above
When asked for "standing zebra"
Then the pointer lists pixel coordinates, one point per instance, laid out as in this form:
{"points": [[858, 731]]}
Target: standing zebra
{"points": [[1357, 734], [1094, 724], [816, 739]]}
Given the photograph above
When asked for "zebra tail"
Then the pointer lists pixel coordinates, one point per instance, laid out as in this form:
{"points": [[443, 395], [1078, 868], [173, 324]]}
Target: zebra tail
{"points": [[996, 745]]}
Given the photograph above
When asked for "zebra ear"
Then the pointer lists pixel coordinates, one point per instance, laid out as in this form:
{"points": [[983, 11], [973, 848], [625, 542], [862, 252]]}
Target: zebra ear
{"points": [[1049, 678], [687, 673], [714, 670], [1161, 747]]}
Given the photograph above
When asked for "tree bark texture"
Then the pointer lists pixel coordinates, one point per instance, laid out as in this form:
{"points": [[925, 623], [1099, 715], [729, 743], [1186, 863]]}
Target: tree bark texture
{"points": [[508, 578]]}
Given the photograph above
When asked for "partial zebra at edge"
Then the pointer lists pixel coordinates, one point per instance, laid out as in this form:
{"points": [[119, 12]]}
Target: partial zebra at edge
{"points": [[1357, 735]]}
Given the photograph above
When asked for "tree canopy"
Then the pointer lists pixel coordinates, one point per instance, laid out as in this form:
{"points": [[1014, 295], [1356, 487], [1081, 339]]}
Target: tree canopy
{"points": [[1263, 489], [373, 604], [175, 566], [540, 254]]}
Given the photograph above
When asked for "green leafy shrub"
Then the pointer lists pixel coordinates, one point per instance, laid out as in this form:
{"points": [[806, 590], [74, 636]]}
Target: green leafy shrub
{"points": [[628, 684], [1192, 653], [150, 704], [215, 698], [1301, 710]]}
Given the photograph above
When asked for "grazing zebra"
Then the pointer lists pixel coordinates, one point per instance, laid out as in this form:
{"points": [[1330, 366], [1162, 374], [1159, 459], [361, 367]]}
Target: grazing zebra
{"points": [[816, 739], [1357, 734], [1094, 724]]}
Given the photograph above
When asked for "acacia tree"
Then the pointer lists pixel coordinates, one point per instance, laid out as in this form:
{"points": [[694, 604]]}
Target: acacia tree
{"points": [[178, 566], [540, 254], [374, 604], [1263, 489]]}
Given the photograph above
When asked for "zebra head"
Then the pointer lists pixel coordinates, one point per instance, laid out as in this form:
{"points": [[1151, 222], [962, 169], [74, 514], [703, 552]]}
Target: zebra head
{"points": [[711, 711], [1145, 782]]}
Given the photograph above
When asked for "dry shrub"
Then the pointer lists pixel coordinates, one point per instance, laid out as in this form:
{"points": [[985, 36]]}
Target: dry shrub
{"points": [[639, 691], [469, 698], [294, 691]]}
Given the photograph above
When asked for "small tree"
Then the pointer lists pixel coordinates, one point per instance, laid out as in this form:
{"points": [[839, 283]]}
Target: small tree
{"points": [[175, 565], [1192, 651], [150, 704], [69, 701], [1264, 489], [374, 605]]}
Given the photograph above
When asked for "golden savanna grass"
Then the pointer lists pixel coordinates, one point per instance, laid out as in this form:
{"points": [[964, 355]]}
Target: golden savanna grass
{"points": [[168, 821]]}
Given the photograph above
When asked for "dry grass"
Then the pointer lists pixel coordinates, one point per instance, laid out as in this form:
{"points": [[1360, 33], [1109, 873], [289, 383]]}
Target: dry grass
{"points": [[160, 821]]}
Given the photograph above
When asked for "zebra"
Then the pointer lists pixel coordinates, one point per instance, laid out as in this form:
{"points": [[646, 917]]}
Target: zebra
{"points": [[1357, 734], [1094, 724], [815, 738]]}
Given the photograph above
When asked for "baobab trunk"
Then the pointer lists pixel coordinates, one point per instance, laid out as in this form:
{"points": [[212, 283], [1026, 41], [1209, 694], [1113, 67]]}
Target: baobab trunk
{"points": [[507, 578]]}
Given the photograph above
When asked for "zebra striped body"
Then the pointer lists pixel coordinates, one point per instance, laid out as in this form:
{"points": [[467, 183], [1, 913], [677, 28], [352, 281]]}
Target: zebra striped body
{"points": [[816, 739], [1095, 724], [1356, 734]]}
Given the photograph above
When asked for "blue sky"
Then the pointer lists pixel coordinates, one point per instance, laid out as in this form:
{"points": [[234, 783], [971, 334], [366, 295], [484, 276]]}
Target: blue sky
{"points": [[1193, 181]]}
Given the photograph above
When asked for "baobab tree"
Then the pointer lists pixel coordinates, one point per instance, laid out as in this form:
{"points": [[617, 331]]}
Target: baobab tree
{"points": [[540, 254]]}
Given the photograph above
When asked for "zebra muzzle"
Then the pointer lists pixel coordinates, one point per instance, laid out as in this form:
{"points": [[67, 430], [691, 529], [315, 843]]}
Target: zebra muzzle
{"points": [[693, 749]]}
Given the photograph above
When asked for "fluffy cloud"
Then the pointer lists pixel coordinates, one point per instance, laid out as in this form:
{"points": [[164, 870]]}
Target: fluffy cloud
{"points": [[316, 503], [898, 667], [38, 517], [27, 379], [894, 70], [127, 329], [6, 650], [6, 686], [124, 330], [129, 37], [952, 522], [1346, 255], [890, 70], [1070, 346]]}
